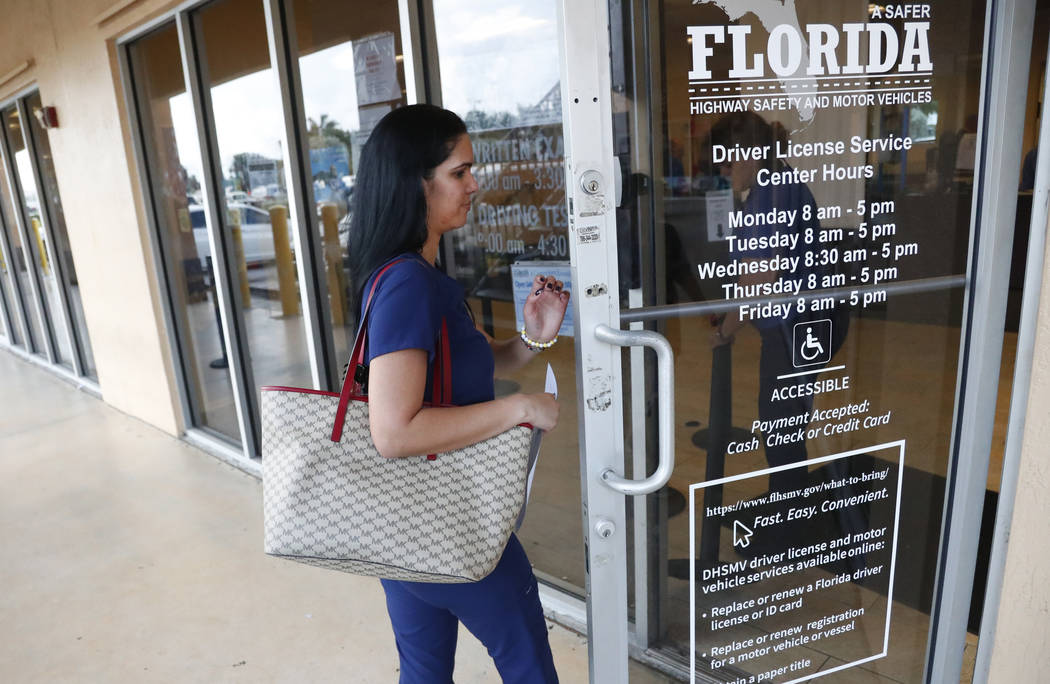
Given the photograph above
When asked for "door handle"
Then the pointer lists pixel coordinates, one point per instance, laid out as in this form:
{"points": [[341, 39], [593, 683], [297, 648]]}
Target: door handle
{"points": [[664, 401]]}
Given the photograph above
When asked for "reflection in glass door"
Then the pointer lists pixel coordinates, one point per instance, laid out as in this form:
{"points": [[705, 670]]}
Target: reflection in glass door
{"points": [[796, 223], [7, 329], [10, 258], [39, 236], [505, 84], [65, 271], [243, 114], [26, 256], [343, 97], [172, 161]]}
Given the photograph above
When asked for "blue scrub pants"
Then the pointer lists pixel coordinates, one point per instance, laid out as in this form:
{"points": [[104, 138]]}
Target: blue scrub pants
{"points": [[502, 610]]}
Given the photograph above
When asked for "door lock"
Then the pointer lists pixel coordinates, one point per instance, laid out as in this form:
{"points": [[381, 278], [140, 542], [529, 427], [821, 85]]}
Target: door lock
{"points": [[591, 182], [605, 528]]}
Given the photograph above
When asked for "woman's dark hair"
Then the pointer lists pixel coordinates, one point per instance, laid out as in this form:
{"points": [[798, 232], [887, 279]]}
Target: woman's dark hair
{"points": [[389, 209]]}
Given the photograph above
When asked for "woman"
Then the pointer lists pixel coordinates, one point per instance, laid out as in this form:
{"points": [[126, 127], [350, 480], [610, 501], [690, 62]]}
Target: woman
{"points": [[414, 185]]}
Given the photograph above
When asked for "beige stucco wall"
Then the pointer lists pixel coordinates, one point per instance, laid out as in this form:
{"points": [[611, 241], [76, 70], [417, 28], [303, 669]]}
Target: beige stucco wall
{"points": [[1021, 652], [74, 68]]}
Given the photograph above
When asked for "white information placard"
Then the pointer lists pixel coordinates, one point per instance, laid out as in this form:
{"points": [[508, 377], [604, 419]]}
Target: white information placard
{"points": [[788, 591]]}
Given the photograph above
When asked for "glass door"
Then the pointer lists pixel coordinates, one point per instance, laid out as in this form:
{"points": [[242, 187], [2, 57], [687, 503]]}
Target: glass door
{"points": [[777, 199], [27, 243]]}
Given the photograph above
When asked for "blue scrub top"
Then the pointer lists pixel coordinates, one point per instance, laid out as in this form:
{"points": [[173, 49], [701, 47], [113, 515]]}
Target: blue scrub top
{"points": [[407, 308]]}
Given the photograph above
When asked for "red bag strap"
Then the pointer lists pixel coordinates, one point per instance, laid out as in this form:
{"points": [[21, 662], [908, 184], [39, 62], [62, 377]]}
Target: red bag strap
{"points": [[441, 385], [441, 388]]}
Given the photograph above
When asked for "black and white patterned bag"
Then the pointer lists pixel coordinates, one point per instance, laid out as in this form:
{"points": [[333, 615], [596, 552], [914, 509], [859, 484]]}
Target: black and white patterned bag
{"points": [[330, 499]]}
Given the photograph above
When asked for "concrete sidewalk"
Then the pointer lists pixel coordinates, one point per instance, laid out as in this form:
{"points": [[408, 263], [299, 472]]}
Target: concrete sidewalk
{"points": [[131, 556]]}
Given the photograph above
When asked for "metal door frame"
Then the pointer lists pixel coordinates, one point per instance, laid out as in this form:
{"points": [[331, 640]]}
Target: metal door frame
{"points": [[583, 30]]}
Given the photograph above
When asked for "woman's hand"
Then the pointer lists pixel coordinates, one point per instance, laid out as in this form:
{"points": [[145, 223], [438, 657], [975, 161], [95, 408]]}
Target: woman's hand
{"points": [[545, 308], [541, 410]]}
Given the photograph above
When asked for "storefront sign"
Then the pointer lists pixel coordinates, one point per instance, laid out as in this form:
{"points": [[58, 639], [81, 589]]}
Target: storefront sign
{"points": [[800, 68]]}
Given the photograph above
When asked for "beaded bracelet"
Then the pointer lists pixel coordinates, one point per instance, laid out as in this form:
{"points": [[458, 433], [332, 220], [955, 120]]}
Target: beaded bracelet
{"points": [[534, 345]]}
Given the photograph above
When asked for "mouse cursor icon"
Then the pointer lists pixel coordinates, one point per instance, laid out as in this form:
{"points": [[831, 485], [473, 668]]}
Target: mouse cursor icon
{"points": [[741, 534]]}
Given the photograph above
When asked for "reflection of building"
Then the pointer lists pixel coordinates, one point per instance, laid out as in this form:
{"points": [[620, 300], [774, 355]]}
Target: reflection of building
{"points": [[547, 110]]}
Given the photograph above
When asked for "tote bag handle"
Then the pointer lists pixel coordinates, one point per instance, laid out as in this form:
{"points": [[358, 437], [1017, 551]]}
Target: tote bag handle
{"points": [[442, 378]]}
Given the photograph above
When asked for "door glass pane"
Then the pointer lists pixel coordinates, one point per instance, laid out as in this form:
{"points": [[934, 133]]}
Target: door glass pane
{"points": [[172, 151], [6, 273], [22, 258], [806, 171], [57, 225], [498, 65], [260, 247], [9, 264], [343, 100], [39, 237]]}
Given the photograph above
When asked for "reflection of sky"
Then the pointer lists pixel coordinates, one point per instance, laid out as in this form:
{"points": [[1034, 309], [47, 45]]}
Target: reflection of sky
{"points": [[247, 119], [496, 55], [186, 135], [247, 115], [329, 86], [25, 177], [492, 57]]}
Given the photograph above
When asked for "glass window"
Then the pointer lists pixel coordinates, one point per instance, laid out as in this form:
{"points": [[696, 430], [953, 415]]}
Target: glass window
{"points": [[172, 152], [352, 73], [9, 266], [498, 66], [42, 236], [57, 225], [248, 125], [23, 256], [10, 326]]}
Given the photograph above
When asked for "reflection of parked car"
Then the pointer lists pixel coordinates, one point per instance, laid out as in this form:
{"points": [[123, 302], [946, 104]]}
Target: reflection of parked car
{"points": [[256, 233]]}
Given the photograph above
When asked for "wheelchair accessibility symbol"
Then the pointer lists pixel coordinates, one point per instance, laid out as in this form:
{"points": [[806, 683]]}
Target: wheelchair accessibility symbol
{"points": [[812, 343]]}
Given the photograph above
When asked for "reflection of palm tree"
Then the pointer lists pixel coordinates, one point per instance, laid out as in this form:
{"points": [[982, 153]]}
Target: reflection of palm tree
{"points": [[325, 128]]}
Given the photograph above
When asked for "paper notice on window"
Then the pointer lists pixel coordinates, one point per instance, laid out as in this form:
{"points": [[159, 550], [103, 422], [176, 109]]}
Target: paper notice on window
{"points": [[375, 69], [551, 387], [719, 207]]}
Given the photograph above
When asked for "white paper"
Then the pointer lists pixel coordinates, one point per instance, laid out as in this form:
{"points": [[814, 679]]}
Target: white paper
{"points": [[550, 386], [719, 206], [375, 69]]}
